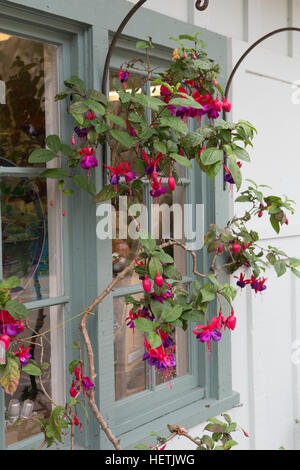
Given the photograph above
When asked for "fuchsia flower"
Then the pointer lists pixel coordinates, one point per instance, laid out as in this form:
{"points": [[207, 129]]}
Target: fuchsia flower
{"points": [[206, 333], [82, 133], [88, 159], [131, 129], [258, 284], [82, 382], [124, 77], [10, 325], [156, 190], [230, 321], [23, 355], [153, 164], [242, 282], [160, 358], [119, 170]]}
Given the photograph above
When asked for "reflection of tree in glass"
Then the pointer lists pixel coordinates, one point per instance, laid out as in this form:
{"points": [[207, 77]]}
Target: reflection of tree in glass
{"points": [[22, 119]]}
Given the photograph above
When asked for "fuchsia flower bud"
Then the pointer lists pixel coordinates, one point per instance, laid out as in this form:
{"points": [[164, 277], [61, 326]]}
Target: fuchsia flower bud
{"points": [[64, 213], [5, 340], [147, 285], [159, 280], [172, 183], [215, 83], [236, 248], [226, 105], [73, 142], [51, 203], [260, 214], [286, 221], [76, 420], [220, 249], [231, 321]]}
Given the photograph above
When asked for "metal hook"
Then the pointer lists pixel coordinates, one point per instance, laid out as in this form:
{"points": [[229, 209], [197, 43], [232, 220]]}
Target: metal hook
{"points": [[201, 7]]}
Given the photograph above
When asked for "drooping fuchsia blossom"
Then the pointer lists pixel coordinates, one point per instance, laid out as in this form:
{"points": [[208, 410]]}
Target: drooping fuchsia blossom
{"points": [[153, 164], [124, 77], [80, 383], [156, 190], [258, 284], [82, 133], [230, 321], [160, 358], [131, 129], [206, 333], [9, 324], [242, 282], [88, 159], [119, 170], [23, 355]]}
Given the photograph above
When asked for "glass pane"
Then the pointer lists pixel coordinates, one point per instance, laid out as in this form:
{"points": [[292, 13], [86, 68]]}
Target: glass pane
{"points": [[124, 250], [31, 234], [29, 394], [25, 238], [130, 369], [25, 68]]}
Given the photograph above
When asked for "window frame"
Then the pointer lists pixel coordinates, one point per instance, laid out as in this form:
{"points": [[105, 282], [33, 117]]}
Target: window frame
{"points": [[71, 40]]}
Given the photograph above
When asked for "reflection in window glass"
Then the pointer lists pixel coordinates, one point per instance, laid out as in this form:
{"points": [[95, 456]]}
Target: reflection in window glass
{"points": [[130, 369], [30, 233], [29, 401]]}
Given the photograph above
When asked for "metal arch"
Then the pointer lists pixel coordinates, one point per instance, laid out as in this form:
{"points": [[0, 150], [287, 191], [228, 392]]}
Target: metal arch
{"points": [[247, 52], [200, 5]]}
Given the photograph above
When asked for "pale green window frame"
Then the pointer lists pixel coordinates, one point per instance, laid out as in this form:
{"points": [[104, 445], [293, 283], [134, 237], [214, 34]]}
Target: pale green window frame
{"points": [[83, 34]]}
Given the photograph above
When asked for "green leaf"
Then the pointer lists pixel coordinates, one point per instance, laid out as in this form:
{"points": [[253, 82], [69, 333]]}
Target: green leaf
{"points": [[230, 444], [106, 193], [154, 340], [243, 199], [141, 447], [45, 366], [95, 106], [11, 283], [124, 138], [72, 366], [171, 272], [11, 376], [142, 45], [160, 147], [296, 272], [184, 161], [56, 173], [32, 369], [171, 314], [62, 96], [154, 267], [41, 156], [148, 101], [84, 183], [79, 108], [97, 96], [240, 153], [164, 257], [280, 267], [207, 296], [17, 310], [147, 241], [53, 142], [211, 155], [235, 172], [118, 120], [142, 324], [175, 123], [193, 315], [77, 83]]}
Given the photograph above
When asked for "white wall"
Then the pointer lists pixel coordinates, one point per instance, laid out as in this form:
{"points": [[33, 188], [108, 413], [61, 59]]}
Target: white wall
{"points": [[268, 323]]}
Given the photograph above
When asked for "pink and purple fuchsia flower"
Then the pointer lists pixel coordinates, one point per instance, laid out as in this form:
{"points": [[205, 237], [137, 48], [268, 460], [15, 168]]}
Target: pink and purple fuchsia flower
{"points": [[209, 332], [82, 133], [23, 355], [88, 159], [160, 358]]}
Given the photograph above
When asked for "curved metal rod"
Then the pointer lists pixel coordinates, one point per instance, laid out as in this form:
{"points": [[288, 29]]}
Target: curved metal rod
{"points": [[119, 31], [114, 41], [201, 7], [256, 43]]}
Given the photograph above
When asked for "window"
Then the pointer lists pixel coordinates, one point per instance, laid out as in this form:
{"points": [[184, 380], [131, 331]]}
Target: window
{"points": [[141, 398], [31, 238]]}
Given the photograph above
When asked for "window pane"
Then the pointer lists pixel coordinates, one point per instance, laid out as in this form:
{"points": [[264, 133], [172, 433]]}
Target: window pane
{"points": [[130, 369], [29, 386], [26, 238], [25, 70]]}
